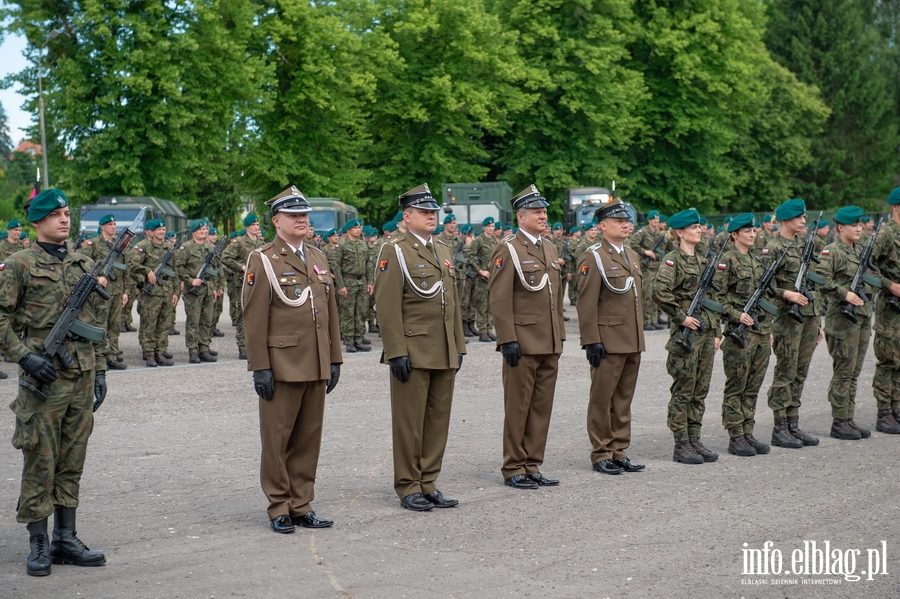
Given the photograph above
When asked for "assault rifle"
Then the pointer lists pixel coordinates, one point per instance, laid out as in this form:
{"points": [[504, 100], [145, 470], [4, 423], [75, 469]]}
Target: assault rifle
{"points": [[565, 253], [862, 278], [700, 301], [78, 240], [804, 276], [457, 256], [68, 324], [163, 268], [645, 260], [757, 301], [206, 271]]}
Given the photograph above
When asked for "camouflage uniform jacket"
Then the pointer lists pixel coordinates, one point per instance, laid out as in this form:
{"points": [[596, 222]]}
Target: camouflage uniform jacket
{"points": [[787, 274], [675, 285], [188, 259], [34, 288], [144, 258], [480, 252], [119, 278], [8, 248], [737, 275], [839, 264], [234, 257], [353, 263]]}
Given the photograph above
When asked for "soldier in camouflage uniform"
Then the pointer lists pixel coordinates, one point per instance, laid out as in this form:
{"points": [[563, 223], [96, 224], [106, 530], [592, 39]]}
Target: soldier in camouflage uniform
{"points": [[233, 282], [480, 259], [220, 282], [571, 264], [737, 276], [643, 243], [171, 313], [886, 383], [793, 342], [354, 277], [12, 243], [587, 240], [53, 432], [234, 258], [157, 293], [116, 286], [673, 289], [847, 341], [765, 234], [198, 307], [467, 287]]}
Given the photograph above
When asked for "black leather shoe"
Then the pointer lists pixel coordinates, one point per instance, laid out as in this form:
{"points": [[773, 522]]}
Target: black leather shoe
{"points": [[608, 467], [283, 524], [520, 481], [310, 520], [416, 502], [628, 466], [543, 481], [438, 499]]}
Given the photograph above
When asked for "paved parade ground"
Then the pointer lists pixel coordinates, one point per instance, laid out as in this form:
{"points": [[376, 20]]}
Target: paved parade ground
{"points": [[171, 495]]}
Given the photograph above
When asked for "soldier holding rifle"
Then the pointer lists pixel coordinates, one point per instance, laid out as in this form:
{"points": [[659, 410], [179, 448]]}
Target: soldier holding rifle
{"points": [[886, 383]]}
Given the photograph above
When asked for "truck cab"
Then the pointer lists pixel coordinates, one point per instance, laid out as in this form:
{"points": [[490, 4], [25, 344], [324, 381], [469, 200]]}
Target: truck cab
{"points": [[330, 213], [131, 212], [584, 201], [474, 202]]}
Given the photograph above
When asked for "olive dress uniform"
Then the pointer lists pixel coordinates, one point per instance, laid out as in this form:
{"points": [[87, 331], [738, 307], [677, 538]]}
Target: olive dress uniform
{"points": [[610, 311]]}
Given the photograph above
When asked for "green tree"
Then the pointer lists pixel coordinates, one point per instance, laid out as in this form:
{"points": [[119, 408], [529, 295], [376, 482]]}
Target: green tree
{"points": [[6, 142], [839, 46]]}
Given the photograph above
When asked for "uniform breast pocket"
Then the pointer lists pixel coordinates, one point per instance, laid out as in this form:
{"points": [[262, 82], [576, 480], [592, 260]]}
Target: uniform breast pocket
{"points": [[744, 285], [425, 279], [45, 289], [605, 320]]}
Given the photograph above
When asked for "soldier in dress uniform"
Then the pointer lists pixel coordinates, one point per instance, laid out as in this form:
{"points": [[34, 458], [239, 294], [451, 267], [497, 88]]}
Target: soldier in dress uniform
{"points": [[294, 352], [527, 302], [418, 312], [610, 317]]}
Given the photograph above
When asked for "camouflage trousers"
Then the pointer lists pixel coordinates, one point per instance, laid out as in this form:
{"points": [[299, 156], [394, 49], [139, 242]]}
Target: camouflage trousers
{"points": [[847, 356], [218, 308], [690, 385], [353, 312], [198, 310], [480, 305], [466, 310], [745, 370], [463, 299], [651, 310], [794, 344], [113, 310], [153, 333], [127, 316], [235, 288], [171, 312], [886, 382], [53, 437]]}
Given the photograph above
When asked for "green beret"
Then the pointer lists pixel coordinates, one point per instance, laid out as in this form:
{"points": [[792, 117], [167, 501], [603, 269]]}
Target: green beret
{"points": [[790, 209], [233, 234], [507, 227], [767, 218], [684, 218], [727, 220], [398, 217], [250, 219], [344, 228], [894, 198], [154, 224], [329, 233], [13, 224], [24, 235], [438, 230], [488, 221], [822, 224], [514, 231], [849, 215], [663, 218], [557, 226], [44, 203], [594, 222], [450, 218], [4, 235], [170, 234], [866, 219], [574, 229], [742, 221], [198, 224], [466, 229], [390, 226], [352, 223], [213, 231], [109, 218], [703, 220], [652, 214]]}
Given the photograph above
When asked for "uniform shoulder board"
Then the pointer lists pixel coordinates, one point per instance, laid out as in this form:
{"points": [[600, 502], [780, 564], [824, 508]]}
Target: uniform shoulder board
{"points": [[595, 246], [508, 238], [441, 241], [395, 241], [264, 247]]}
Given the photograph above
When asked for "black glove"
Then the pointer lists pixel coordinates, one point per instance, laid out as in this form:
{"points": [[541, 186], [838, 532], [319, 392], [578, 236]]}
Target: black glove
{"points": [[511, 353], [264, 383], [400, 368], [459, 358], [595, 352], [99, 388], [335, 377], [39, 367]]}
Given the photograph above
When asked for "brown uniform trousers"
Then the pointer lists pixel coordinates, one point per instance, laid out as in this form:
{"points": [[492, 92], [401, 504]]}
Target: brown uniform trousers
{"points": [[534, 319], [299, 344], [429, 331], [616, 321]]}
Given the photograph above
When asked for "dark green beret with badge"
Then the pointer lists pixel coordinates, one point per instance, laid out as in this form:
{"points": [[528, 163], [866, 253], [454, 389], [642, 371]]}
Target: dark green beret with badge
{"points": [[450, 218], [13, 224], [663, 218], [488, 221], [250, 219], [703, 221], [353, 223], [791, 209], [44, 203], [106, 219], [154, 224], [390, 226], [197, 224], [894, 198], [557, 226], [438, 230], [574, 229], [849, 215], [685, 218], [742, 221], [652, 214], [466, 229], [767, 218], [213, 231]]}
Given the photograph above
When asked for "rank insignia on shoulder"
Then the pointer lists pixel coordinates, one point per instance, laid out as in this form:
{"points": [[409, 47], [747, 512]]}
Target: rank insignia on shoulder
{"points": [[498, 263], [584, 270], [826, 252], [722, 266], [250, 277], [382, 265], [765, 252], [669, 263]]}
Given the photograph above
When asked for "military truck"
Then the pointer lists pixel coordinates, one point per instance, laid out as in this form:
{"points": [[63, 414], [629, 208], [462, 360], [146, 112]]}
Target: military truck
{"points": [[132, 212], [473, 202], [584, 201], [330, 213]]}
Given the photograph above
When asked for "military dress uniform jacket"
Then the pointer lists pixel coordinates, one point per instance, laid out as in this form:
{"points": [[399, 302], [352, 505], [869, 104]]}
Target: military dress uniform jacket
{"points": [[613, 319], [300, 343], [534, 319], [427, 329]]}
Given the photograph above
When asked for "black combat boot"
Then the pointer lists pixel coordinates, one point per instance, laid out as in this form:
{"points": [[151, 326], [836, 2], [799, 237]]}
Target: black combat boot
{"points": [[373, 328], [793, 423], [113, 364], [686, 454], [67, 548], [841, 429], [782, 437], [192, 358], [205, 356], [708, 456], [492, 336], [738, 446], [242, 354], [760, 447], [863, 432], [473, 328], [150, 361], [162, 360], [484, 338], [39, 559], [887, 423], [167, 355], [174, 331]]}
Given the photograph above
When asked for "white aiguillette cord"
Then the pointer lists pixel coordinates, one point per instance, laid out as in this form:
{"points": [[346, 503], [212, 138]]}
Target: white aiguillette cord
{"points": [[629, 282], [426, 293], [545, 280], [273, 280]]}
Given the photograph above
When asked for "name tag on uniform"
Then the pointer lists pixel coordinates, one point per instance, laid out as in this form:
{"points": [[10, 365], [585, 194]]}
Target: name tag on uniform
{"points": [[613, 268], [420, 266], [527, 261]]}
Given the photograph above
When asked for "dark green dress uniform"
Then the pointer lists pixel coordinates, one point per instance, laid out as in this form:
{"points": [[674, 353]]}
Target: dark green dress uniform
{"points": [[886, 383]]}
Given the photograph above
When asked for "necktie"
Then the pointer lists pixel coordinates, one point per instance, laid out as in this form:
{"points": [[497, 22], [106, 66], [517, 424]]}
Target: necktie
{"points": [[301, 256], [538, 242]]}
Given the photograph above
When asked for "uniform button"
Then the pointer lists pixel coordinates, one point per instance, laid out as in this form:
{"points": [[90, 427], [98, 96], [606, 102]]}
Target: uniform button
{"points": [[409, 332], [280, 344], [318, 326], [521, 322]]}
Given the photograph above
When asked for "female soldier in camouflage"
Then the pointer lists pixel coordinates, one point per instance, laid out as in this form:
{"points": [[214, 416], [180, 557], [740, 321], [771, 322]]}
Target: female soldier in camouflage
{"points": [[673, 289], [847, 341]]}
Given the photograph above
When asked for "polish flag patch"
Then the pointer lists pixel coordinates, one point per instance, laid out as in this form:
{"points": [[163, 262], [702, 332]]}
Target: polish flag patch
{"points": [[826, 252], [2, 266], [669, 263], [722, 267], [765, 252]]}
